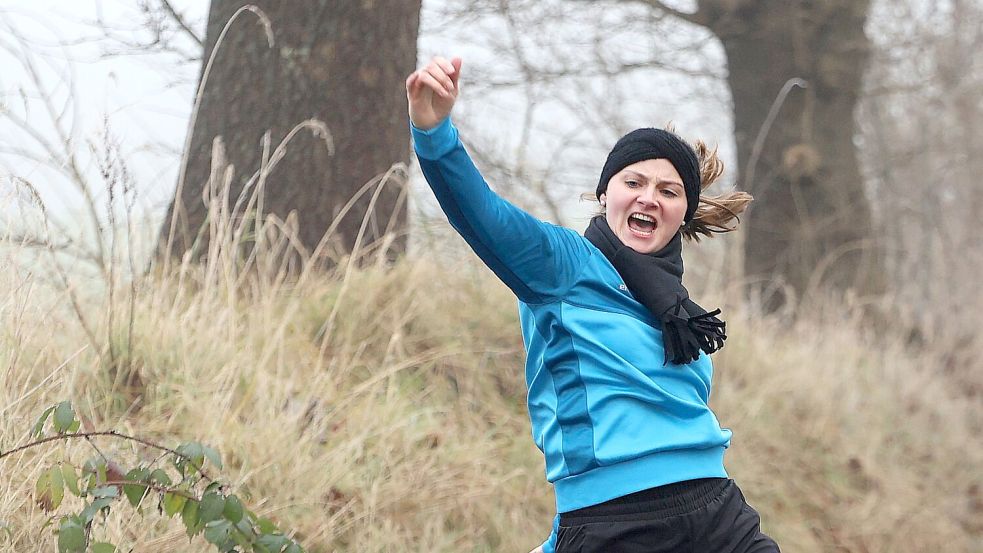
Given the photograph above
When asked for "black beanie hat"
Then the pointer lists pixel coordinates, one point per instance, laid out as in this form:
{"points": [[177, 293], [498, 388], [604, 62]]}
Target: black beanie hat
{"points": [[642, 144]]}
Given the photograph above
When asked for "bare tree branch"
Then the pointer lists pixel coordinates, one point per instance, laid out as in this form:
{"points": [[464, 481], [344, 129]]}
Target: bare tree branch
{"points": [[160, 29], [700, 17], [179, 19], [546, 75]]}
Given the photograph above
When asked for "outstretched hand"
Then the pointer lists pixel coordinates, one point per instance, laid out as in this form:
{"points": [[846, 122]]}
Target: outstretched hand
{"points": [[432, 91]]}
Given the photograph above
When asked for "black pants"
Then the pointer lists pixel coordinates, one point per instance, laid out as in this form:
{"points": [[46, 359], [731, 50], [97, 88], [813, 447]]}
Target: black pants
{"points": [[709, 515]]}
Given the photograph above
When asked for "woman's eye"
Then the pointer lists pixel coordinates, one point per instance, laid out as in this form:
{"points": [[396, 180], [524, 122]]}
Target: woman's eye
{"points": [[631, 183], [669, 193]]}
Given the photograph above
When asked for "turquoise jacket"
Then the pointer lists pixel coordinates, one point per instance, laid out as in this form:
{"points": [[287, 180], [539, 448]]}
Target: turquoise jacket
{"points": [[609, 416]]}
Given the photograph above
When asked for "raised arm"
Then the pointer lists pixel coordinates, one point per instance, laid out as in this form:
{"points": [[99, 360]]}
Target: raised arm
{"points": [[537, 260]]}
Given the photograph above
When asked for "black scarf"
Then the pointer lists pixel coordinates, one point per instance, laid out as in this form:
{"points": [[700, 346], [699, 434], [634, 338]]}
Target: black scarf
{"points": [[656, 281]]}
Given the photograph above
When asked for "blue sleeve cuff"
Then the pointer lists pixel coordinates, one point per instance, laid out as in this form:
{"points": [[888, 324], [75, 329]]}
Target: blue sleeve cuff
{"points": [[435, 142]]}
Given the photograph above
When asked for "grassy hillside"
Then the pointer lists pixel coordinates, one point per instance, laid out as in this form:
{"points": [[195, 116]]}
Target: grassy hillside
{"points": [[383, 410]]}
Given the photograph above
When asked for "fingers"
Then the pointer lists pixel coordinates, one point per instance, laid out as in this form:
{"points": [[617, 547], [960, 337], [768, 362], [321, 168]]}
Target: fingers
{"points": [[414, 84], [414, 89], [440, 75], [417, 82], [421, 78], [456, 74], [427, 79], [446, 66], [451, 68]]}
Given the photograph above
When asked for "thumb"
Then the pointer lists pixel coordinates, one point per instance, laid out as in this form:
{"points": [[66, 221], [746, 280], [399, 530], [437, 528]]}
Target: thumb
{"points": [[456, 76]]}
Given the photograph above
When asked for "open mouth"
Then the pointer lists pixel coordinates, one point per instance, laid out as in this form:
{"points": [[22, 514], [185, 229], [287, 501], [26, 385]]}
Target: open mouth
{"points": [[641, 224]]}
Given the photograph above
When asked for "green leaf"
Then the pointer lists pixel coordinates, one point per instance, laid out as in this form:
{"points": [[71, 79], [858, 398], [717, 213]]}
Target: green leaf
{"points": [[89, 475], [105, 491], [160, 477], [103, 547], [241, 539], [91, 465], [273, 542], [71, 478], [64, 417], [251, 516], [189, 516], [190, 449], [217, 532], [213, 456], [39, 425], [71, 538], [93, 508], [194, 453], [173, 503], [135, 492], [42, 491], [57, 486], [245, 527], [233, 509], [212, 505], [266, 526]]}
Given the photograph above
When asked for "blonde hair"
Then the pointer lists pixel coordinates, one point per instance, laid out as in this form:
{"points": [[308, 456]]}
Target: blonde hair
{"points": [[714, 214]]}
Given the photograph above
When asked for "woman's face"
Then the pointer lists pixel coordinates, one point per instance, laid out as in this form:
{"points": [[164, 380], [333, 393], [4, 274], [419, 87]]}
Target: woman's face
{"points": [[645, 204]]}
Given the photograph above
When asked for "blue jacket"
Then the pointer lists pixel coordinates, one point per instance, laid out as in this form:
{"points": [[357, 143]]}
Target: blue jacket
{"points": [[610, 417]]}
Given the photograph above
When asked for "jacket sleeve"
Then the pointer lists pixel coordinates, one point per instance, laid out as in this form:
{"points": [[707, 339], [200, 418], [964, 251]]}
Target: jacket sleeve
{"points": [[538, 261]]}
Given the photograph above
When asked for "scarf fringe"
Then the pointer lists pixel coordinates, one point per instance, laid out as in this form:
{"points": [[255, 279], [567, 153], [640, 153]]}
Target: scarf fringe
{"points": [[685, 337]]}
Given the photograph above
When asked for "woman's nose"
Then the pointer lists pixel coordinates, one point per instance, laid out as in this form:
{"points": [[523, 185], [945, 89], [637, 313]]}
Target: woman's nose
{"points": [[649, 196]]}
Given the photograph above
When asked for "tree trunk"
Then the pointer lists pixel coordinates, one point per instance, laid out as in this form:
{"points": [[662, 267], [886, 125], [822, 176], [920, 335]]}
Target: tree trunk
{"points": [[340, 62], [810, 223]]}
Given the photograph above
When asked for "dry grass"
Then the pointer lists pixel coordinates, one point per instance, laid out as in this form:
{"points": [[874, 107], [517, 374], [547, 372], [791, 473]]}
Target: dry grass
{"points": [[382, 409]]}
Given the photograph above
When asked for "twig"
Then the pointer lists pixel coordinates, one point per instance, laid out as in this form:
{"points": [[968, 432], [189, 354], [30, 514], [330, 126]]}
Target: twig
{"points": [[152, 486], [182, 23], [698, 18], [112, 433]]}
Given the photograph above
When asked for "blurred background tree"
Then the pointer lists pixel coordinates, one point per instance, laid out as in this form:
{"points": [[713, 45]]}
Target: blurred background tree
{"points": [[920, 139], [811, 221], [340, 63]]}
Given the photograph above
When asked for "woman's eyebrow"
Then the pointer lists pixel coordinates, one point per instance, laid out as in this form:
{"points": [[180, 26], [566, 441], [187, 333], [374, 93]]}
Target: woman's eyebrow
{"points": [[646, 179]]}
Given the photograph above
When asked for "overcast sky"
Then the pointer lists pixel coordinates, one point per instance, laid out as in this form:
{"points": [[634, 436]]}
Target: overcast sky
{"points": [[145, 100]]}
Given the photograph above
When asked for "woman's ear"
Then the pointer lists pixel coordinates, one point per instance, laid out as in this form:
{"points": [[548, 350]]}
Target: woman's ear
{"points": [[602, 200]]}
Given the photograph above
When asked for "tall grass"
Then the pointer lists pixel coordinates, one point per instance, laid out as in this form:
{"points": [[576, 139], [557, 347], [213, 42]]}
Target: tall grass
{"points": [[380, 407], [401, 427]]}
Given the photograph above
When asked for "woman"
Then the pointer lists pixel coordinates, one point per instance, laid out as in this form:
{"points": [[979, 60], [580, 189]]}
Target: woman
{"points": [[617, 363]]}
